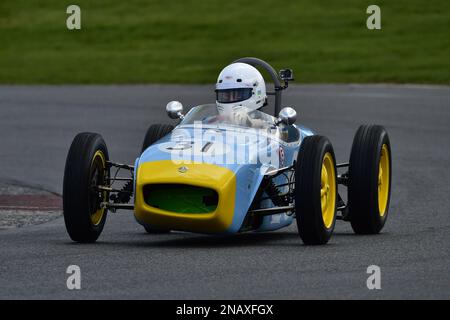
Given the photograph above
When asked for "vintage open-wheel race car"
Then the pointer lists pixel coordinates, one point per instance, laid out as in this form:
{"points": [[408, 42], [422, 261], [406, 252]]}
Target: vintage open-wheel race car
{"points": [[215, 176]]}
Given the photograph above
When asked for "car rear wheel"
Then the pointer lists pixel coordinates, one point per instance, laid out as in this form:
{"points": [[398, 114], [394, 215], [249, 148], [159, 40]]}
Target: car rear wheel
{"points": [[85, 170], [315, 190], [370, 174], [154, 133]]}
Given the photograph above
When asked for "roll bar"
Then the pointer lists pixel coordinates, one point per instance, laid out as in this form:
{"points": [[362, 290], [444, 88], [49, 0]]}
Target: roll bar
{"points": [[274, 75]]}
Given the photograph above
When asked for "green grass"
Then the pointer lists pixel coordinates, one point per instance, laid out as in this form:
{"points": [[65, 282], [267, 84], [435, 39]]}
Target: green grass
{"points": [[189, 41]]}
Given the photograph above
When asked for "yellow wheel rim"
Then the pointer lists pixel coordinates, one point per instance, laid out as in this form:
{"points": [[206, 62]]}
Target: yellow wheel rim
{"points": [[328, 190], [96, 217], [383, 180]]}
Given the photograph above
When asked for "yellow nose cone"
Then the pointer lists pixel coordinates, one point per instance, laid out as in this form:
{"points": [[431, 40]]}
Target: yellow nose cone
{"points": [[198, 175]]}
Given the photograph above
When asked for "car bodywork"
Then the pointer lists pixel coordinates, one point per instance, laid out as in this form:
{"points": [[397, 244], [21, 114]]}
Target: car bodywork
{"points": [[231, 187]]}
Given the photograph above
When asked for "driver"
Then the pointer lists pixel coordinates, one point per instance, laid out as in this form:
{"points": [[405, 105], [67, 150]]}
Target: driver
{"points": [[240, 89]]}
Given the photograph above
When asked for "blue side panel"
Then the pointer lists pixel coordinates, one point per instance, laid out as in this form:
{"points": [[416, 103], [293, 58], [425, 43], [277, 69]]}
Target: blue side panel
{"points": [[248, 179], [282, 220]]}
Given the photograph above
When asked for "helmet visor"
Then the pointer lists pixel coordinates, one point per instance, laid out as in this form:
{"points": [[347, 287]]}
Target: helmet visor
{"points": [[233, 95]]}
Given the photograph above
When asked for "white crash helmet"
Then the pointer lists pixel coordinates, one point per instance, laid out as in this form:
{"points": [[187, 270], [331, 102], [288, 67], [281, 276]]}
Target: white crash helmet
{"points": [[240, 85]]}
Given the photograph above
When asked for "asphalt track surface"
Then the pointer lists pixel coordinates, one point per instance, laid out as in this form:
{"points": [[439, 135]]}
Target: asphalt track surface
{"points": [[37, 125]]}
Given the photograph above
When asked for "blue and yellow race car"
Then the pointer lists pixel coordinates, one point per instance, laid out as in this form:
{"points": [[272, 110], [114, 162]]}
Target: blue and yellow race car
{"points": [[226, 174]]}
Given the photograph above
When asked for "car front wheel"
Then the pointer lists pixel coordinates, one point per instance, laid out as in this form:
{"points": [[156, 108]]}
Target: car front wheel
{"points": [[86, 169], [315, 190]]}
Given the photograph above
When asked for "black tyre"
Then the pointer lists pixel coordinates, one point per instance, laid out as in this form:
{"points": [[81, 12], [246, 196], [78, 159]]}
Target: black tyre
{"points": [[85, 170], [154, 133], [315, 190], [370, 172]]}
